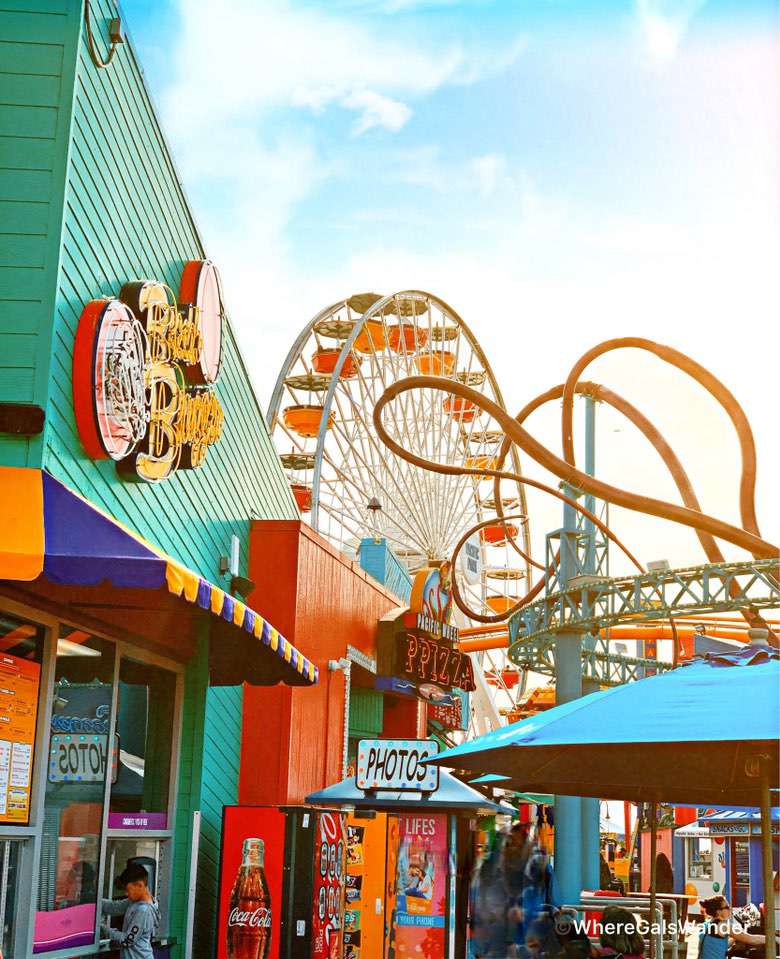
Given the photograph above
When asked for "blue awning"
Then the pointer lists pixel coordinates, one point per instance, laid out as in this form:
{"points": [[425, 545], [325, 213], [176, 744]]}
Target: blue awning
{"points": [[58, 543], [452, 794]]}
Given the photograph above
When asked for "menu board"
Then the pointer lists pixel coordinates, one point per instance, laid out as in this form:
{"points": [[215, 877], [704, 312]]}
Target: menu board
{"points": [[19, 684], [364, 917]]}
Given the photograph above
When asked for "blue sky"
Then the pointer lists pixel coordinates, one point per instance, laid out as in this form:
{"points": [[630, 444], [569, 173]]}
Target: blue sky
{"points": [[561, 172]]}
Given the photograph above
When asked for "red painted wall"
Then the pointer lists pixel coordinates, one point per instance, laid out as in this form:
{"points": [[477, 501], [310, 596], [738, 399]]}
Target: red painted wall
{"points": [[293, 738], [663, 844]]}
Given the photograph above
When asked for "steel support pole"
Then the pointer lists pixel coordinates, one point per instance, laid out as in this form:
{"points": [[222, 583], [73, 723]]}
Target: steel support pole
{"points": [[653, 877], [591, 838], [568, 686], [766, 840]]}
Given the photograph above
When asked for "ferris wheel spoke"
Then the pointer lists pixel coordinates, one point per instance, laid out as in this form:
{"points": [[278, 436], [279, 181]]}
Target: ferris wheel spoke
{"points": [[398, 467], [366, 490]]}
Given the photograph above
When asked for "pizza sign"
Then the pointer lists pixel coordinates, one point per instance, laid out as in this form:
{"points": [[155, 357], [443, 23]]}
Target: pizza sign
{"points": [[425, 660], [144, 367]]}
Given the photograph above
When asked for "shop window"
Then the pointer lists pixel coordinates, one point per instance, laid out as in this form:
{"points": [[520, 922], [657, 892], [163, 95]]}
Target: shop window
{"points": [[81, 756], [700, 858], [145, 730], [9, 892]]}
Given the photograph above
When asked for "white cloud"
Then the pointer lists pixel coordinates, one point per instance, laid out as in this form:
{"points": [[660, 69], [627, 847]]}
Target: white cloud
{"points": [[552, 281], [249, 82], [376, 111], [487, 169], [260, 56], [663, 25]]}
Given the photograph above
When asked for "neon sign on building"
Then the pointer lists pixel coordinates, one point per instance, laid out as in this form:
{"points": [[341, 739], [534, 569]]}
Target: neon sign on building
{"points": [[144, 367]]}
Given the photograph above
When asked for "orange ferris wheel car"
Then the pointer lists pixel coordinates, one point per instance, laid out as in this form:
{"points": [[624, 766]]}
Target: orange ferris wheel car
{"points": [[305, 420], [500, 604], [324, 361], [460, 409], [438, 363], [302, 494], [498, 533], [403, 338], [371, 339]]}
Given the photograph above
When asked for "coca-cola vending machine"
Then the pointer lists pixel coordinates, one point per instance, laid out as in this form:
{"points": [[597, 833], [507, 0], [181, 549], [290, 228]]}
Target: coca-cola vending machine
{"points": [[281, 883], [251, 883]]}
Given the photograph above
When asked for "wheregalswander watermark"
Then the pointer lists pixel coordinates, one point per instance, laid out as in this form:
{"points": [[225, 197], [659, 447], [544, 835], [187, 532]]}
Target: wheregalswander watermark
{"points": [[567, 923]]}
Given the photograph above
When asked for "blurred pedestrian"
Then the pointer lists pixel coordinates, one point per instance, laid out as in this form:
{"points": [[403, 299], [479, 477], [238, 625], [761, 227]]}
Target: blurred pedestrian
{"points": [[620, 936]]}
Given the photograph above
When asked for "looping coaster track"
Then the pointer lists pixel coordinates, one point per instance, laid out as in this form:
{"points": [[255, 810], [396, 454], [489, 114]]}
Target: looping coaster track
{"points": [[719, 585]]}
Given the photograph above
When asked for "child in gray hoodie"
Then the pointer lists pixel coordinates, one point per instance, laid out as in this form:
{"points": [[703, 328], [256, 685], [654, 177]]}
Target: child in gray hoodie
{"points": [[141, 914]]}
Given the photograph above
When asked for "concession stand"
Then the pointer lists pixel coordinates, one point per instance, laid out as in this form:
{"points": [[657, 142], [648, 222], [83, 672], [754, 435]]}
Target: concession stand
{"points": [[408, 851]]}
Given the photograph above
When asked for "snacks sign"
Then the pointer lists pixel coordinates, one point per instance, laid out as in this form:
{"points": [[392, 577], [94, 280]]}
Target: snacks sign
{"points": [[144, 367]]}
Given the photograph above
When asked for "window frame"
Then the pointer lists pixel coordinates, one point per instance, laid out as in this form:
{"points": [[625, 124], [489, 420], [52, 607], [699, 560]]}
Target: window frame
{"points": [[30, 836]]}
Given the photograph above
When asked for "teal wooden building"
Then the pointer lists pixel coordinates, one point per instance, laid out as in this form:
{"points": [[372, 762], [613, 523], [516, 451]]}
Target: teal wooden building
{"points": [[90, 201]]}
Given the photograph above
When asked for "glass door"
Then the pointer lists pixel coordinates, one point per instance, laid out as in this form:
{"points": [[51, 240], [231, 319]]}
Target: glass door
{"points": [[10, 855], [82, 759]]}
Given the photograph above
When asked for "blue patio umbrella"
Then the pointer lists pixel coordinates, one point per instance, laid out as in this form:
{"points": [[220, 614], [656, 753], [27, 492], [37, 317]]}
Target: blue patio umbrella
{"points": [[692, 735], [705, 734]]}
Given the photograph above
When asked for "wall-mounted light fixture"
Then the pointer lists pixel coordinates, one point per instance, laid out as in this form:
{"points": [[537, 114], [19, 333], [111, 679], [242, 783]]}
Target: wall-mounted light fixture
{"points": [[115, 35]]}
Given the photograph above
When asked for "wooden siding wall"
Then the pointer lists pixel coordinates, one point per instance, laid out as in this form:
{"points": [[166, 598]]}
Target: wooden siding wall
{"points": [[365, 712], [95, 201], [323, 602], [37, 61], [380, 561]]}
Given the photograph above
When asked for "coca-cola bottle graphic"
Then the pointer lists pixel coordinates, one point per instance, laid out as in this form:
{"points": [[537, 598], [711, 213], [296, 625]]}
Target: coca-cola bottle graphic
{"points": [[249, 918]]}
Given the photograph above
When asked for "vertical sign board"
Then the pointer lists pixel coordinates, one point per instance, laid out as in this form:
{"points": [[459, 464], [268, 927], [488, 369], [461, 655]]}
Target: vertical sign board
{"points": [[364, 916], [19, 682], [421, 885], [239, 824], [328, 907]]}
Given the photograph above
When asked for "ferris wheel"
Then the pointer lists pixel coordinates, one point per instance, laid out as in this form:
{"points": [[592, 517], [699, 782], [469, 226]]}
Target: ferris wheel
{"points": [[350, 487]]}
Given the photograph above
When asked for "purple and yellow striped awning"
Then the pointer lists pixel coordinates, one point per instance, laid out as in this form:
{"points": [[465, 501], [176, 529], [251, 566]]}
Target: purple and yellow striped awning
{"points": [[51, 533]]}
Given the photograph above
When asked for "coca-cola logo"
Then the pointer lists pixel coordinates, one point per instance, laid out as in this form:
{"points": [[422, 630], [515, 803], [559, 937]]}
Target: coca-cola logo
{"points": [[255, 919]]}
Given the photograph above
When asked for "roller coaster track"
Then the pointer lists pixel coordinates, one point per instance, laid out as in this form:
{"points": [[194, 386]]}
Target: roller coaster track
{"points": [[591, 604]]}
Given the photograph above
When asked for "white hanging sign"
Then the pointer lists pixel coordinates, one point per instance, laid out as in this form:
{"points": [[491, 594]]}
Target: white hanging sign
{"points": [[397, 764]]}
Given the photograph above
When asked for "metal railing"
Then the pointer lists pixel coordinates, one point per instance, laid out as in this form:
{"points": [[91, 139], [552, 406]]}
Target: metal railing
{"points": [[665, 916]]}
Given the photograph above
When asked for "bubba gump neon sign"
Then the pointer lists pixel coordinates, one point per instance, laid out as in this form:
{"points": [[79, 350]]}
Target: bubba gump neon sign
{"points": [[143, 371]]}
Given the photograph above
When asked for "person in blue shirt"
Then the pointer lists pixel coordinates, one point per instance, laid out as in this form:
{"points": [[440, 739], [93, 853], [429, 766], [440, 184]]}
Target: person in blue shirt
{"points": [[718, 928], [141, 915]]}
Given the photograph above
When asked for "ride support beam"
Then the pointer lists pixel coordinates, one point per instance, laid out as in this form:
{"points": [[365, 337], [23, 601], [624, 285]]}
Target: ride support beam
{"points": [[568, 686], [589, 813]]}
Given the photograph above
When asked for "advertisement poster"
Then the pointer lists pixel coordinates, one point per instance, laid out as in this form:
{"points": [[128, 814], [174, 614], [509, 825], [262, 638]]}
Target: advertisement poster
{"points": [[250, 883], [329, 864], [421, 886], [364, 894], [19, 683]]}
